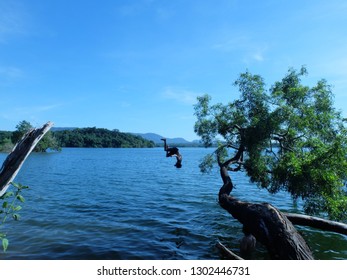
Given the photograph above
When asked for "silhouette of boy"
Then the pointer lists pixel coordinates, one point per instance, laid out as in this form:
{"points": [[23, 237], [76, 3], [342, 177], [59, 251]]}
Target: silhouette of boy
{"points": [[173, 152]]}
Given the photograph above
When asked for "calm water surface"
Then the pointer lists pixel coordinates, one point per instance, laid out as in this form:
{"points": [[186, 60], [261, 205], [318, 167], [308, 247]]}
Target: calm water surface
{"points": [[134, 204]]}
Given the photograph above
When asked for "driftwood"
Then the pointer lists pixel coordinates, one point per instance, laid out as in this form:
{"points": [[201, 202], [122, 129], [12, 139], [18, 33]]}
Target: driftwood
{"points": [[18, 155], [230, 254], [266, 223]]}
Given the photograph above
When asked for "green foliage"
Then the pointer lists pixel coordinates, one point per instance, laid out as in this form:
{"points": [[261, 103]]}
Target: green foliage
{"points": [[10, 209], [5, 141], [294, 139], [22, 128], [48, 142], [9, 139], [90, 137], [99, 138]]}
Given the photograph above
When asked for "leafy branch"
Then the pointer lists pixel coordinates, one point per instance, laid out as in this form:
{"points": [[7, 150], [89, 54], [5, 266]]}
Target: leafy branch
{"points": [[10, 208]]}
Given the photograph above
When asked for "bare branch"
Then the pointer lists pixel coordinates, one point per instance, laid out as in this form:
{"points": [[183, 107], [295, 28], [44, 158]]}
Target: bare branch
{"points": [[228, 252], [315, 222]]}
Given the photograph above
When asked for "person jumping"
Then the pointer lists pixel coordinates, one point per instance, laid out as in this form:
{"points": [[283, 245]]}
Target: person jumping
{"points": [[173, 152]]}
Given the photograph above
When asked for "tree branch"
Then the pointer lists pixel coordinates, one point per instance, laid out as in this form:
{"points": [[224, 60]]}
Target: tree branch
{"points": [[305, 220], [228, 252]]}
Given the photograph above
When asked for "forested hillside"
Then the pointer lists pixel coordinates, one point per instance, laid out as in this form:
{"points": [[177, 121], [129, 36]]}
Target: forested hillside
{"points": [[90, 137], [93, 137]]}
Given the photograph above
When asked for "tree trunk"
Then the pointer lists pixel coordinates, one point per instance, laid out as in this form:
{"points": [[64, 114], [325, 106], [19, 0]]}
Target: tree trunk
{"points": [[18, 155], [267, 224]]}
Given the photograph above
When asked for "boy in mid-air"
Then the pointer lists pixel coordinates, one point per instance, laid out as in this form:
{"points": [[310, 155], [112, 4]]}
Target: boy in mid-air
{"points": [[173, 152]]}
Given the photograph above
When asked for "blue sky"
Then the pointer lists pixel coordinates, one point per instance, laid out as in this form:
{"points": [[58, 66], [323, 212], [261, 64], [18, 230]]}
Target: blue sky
{"points": [[138, 65]]}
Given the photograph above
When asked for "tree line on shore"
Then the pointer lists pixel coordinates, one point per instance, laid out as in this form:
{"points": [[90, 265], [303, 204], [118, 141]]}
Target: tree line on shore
{"points": [[90, 137]]}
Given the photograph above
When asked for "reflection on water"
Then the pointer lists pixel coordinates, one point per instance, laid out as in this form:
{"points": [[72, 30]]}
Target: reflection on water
{"points": [[134, 204]]}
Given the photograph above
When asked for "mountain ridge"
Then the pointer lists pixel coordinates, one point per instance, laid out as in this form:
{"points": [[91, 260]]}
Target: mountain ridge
{"points": [[156, 138]]}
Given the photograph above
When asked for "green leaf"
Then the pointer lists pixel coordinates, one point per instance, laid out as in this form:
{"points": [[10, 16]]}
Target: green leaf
{"points": [[16, 217], [5, 244], [19, 186], [20, 198], [17, 208], [7, 194], [5, 205], [16, 185]]}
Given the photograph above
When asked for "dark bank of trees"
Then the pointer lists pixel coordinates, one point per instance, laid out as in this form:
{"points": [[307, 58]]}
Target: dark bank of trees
{"points": [[5, 141], [289, 138], [80, 137], [100, 138]]}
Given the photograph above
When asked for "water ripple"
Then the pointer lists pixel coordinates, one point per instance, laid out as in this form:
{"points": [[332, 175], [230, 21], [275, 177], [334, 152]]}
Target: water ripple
{"points": [[133, 204]]}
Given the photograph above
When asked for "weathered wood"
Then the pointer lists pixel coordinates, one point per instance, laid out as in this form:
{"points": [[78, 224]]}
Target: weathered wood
{"points": [[266, 223], [231, 255], [270, 227], [18, 155], [318, 223]]}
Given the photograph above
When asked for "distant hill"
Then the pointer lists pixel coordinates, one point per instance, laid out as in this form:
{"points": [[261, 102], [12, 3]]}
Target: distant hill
{"points": [[156, 138], [92, 137]]}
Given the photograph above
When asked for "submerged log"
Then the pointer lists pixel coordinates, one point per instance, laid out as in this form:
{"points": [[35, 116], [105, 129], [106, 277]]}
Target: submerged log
{"points": [[319, 223], [18, 155], [230, 254]]}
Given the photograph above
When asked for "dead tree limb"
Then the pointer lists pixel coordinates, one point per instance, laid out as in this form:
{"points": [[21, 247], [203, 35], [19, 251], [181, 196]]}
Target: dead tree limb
{"points": [[318, 223], [18, 155], [231, 255]]}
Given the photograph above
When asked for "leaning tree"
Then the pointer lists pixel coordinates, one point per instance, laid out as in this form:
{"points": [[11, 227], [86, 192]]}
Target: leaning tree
{"points": [[289, 137]]}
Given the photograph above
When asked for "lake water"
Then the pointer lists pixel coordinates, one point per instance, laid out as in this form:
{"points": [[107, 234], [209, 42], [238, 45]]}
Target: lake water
{"points": [[134, 204]]}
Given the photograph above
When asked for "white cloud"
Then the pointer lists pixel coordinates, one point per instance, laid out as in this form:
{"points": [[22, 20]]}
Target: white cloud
{"points": [[36, 115], [245, 47], [12, 18], [9, 73], [135, 8], [45, 108], [322, 10], [180, 95], [30, 110], [258, 56], [125, 104], [232, 44]]}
